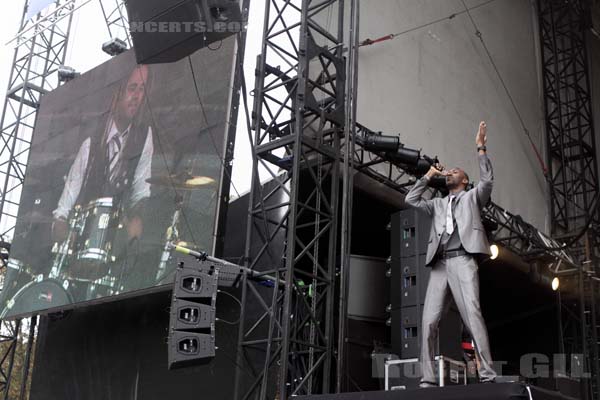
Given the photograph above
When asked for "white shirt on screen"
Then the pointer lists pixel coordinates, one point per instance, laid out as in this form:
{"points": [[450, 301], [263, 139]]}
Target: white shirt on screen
{"points": [[75, 178]]}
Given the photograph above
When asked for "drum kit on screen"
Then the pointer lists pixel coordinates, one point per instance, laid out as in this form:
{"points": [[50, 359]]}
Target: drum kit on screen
{"points": [[87, 264]]}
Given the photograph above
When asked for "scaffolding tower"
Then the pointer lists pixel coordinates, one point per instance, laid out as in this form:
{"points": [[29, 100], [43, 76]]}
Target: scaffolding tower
{"points": [[287, 334], [40, 48], [573, 170]]}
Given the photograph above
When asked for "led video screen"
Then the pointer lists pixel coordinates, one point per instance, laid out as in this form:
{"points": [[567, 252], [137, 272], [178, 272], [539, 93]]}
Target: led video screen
{"points": [[125, 159]]}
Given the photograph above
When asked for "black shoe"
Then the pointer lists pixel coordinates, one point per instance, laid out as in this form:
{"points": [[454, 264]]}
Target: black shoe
{"points": [[493, 380]]}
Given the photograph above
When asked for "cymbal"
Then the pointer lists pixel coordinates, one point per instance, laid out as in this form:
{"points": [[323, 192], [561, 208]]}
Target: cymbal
{"points": [[199, 181], [183, 181]]}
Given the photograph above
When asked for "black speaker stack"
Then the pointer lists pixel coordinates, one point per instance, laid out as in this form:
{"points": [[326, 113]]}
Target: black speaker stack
{"points": [[192, 321], [409, 278]]}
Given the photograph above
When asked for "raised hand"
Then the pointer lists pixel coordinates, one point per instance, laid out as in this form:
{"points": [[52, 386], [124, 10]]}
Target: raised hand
{"points": [[481, 138]]}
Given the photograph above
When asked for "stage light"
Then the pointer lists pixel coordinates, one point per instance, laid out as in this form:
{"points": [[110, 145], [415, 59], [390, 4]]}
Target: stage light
{"points": [[65, 74], [404, 155], [114, 47], [422, 167], [394, 150], [555, 283], [390, 145], [378, 142], [495, 252]]}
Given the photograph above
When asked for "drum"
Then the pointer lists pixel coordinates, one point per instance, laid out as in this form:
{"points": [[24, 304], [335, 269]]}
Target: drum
{"points": [[37, 295], [96, 226], [85, 290], [17, 274], [102, 288], [63, 251]]}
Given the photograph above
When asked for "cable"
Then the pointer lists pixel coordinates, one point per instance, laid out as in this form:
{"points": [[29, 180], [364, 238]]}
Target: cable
{"points": [[232, 296], [512, 101], [239, 303], [228, 322], [212, 139], [369, 42]]}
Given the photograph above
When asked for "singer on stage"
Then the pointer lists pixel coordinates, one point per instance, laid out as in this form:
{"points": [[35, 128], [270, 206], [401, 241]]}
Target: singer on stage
{"points": [[456, 236]]}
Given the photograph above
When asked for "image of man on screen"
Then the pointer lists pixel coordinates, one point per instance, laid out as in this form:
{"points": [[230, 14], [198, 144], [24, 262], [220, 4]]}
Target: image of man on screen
{"points": [[115, 164]]}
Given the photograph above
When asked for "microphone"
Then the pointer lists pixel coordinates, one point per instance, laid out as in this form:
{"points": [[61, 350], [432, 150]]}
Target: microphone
{"points": [[200, 255]]}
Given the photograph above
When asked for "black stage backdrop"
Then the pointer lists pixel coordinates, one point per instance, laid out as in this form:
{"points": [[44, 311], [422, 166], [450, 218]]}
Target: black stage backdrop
{"points": [[92, 225], [118, 351]]}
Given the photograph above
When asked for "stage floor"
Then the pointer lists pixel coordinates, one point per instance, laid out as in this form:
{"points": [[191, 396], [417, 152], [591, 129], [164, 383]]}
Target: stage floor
{"points": [[489, 391]]}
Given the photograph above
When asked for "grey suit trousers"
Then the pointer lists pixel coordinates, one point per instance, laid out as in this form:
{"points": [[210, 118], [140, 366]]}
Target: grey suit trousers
{"points": [[460, 274]]}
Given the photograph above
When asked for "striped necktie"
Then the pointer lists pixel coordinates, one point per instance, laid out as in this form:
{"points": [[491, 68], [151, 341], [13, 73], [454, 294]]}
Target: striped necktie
{"points": [[115, 145]]}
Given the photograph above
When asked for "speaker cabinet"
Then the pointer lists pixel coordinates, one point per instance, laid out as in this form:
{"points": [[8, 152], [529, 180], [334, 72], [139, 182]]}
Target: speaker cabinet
{"points": [[192, 320], [168, 30]]}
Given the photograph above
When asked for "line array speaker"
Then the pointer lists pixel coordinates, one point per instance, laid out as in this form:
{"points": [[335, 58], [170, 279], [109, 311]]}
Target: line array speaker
{"points": [[408, 286], [192, 320]]}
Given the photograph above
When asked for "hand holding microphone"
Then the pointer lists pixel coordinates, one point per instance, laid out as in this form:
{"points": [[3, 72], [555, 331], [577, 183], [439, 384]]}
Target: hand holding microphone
{"points": [[437, 170]]}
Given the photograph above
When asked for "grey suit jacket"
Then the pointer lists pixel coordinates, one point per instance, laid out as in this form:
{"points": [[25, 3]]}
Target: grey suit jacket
{"points": [[467, 212]]}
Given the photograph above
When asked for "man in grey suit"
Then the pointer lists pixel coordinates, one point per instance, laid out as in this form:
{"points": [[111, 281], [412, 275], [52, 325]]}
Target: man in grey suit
{"points": [[456, 235]]}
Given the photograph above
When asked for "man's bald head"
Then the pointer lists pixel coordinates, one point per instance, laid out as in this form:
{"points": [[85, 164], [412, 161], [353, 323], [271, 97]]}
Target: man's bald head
{"points": [[457, 179]]}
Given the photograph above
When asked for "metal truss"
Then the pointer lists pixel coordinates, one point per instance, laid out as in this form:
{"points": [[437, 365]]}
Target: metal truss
{"points": [[40, 49], [55, 14], [577, 314], [571, 148], [524, 239], [16, 345], [287, 342], [573, 170], [590, 291], [117, 22], [8, 348]]}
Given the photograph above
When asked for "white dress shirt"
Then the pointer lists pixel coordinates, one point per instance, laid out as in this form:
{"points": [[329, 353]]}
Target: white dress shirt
{"points": [[75, 179], [449, 218]]}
